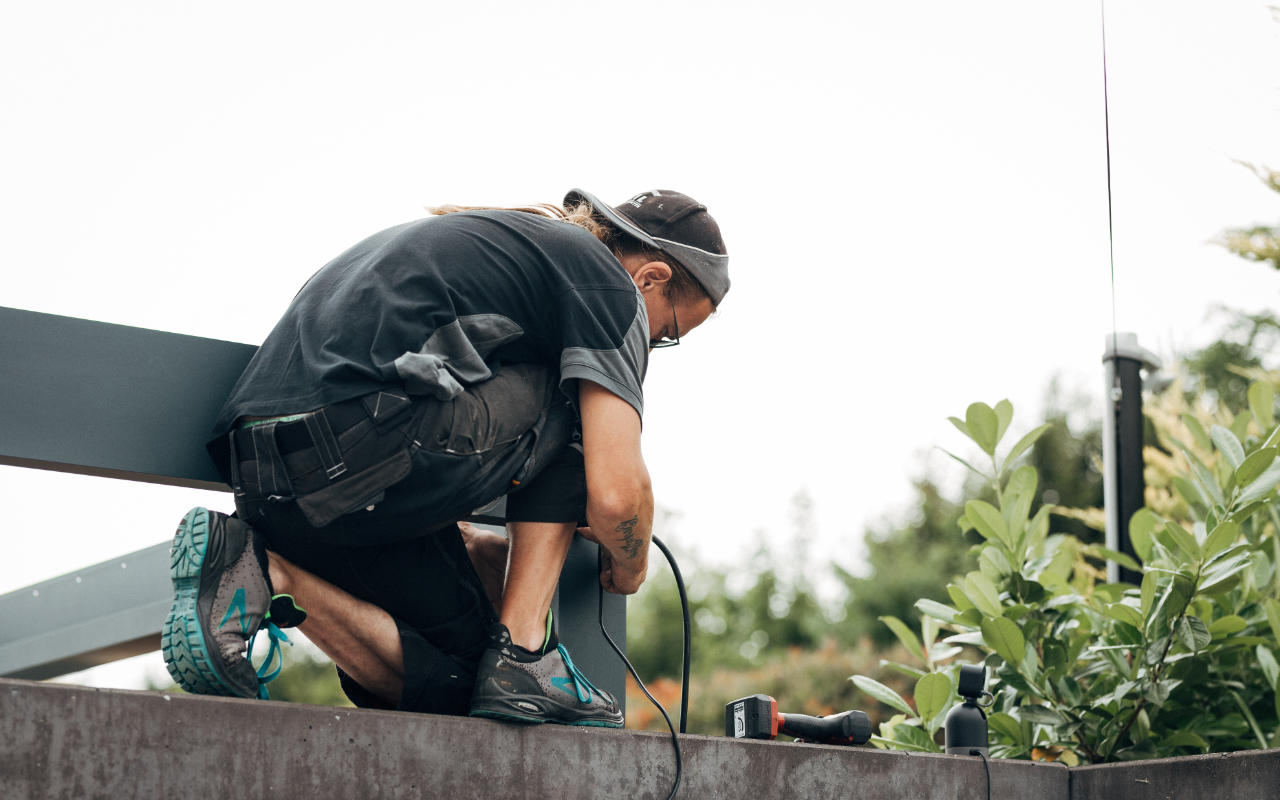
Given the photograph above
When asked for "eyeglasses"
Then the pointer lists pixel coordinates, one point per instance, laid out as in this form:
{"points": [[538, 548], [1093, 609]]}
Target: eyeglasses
{"points": [[654, 344]]}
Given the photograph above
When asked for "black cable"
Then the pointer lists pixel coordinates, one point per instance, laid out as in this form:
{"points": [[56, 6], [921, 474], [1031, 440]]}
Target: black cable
{"points": [[688, 630], [675, 741], [1106, 121], [986, 766]]}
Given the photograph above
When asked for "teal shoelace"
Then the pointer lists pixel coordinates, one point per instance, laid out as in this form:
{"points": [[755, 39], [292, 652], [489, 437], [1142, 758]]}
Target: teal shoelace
{"points": [[274, 653], [580, 682]]}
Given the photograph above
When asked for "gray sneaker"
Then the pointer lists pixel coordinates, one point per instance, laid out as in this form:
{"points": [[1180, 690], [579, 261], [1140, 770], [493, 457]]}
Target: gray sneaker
{"points": [[218, 566], [514, 684]]}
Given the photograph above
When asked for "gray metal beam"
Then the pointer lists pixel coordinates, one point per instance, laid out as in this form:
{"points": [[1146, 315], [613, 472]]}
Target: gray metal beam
{"points": [[85, 618], [95, 398]]}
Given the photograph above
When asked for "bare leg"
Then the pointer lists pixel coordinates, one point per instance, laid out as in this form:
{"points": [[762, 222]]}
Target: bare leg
{"points": [[488, 552], [361, 638], [534, 561]]}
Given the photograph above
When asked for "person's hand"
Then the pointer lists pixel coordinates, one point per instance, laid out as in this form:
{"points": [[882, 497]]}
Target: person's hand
{"points": [[617, 576]]}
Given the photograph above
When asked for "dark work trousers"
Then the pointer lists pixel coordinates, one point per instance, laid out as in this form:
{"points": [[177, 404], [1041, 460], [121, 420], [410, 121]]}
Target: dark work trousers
{"points": [[366, 495]]}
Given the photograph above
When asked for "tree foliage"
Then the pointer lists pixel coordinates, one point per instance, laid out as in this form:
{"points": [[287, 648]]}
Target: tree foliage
{"points": [[1096, 671], [1259, 242]]}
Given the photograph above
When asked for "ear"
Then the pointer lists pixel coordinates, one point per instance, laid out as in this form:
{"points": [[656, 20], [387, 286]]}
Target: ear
{"points": [[651, 275]]}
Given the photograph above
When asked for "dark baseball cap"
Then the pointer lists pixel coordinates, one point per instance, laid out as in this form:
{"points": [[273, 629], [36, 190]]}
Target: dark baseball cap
{"points": [[675, 224]]}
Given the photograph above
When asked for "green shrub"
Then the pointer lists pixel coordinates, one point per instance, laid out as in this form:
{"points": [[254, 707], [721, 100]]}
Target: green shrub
{"points": [[1086, 670]]}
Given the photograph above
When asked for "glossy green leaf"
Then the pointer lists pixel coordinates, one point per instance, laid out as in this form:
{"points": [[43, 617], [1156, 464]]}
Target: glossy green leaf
{"points": [[1123, 613], [1141, 729], [988, 521], [915, 738], [1024, 444], [1262, 403], [1185, 739], [1019, 494], [1123, 559], [1225, 626], [1008, 728], [1156, 694], [910, 672], [1179, 540], [1197, 431], [1193, 633], [1039, 715], [983, 593], [1261, 486], [1205, 480], [1141, 527], [905, 635], [981, 421], [1272, 607], [940, 652], [1222, 575], [1228, 445], [972, 638], [932, 608], [1038, 528], [1002, 635], [1220, 538], [959, 598], [1191, 492], [1004, 415], [1254, 465], [993, 563], [1240, 425], [1155, 621], [882, 693], [933, 692], [1270, 669], [1149, 582]]}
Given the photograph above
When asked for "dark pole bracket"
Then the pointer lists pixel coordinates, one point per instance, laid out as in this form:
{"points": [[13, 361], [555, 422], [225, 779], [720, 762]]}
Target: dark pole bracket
{"points": [[1124, 486]]}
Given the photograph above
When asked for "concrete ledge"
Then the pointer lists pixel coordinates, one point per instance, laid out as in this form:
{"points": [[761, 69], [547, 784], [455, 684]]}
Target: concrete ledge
{"points": [[67, 741], [1248, 774]]}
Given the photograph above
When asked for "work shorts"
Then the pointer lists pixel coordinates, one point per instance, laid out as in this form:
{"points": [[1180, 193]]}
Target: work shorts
{"points": [[366, 495]]}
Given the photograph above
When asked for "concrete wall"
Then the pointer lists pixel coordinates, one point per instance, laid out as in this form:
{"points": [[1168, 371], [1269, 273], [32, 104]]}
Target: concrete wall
{"points": [[60, 741], [1249, 775]]}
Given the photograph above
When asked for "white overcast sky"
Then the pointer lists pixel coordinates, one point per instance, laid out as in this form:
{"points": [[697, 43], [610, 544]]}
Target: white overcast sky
{"points": [[913, 195]]}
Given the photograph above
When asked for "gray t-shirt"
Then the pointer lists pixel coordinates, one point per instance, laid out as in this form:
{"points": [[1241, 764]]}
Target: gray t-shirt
{"points": [[435, 305]]}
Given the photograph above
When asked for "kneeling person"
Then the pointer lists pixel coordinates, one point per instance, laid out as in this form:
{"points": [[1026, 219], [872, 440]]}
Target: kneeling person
{"points": [[429, 370]]}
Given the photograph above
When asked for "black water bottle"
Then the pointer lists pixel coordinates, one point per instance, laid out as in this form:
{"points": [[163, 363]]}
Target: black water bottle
{"points": [[966, 725]]}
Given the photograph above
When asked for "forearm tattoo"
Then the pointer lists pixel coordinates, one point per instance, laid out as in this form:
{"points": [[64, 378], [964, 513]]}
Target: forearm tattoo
{"points": [[631, 543]]}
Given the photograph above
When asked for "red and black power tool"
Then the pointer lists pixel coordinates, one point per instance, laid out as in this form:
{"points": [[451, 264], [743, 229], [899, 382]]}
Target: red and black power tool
{"points": [[757, 717]]}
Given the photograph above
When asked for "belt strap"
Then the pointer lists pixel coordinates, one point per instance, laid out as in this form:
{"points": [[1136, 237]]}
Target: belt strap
{"points": [[326, 443], [292, 433]]}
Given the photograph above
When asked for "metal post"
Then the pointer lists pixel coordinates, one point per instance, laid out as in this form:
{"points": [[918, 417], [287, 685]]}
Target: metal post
{"points": [[1123, 483]]}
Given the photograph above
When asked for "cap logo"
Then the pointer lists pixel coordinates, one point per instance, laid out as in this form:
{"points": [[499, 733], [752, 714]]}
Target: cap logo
{"points": [[640, 198]]}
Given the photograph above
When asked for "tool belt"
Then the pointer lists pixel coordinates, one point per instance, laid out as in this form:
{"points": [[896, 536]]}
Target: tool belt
{"points": [[343, 457], [333, 460]]}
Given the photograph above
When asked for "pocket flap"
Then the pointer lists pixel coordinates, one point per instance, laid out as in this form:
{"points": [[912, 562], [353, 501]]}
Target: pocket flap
{"points": [[352, 492]]}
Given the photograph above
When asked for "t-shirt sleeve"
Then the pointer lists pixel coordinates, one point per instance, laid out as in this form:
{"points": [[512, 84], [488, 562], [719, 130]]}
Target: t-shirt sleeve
{"points": [[605, 339]]}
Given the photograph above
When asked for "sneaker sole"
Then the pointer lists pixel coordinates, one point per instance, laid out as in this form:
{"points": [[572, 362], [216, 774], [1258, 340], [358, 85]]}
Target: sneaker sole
{"points": [[508, 715], [182, 641]]}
